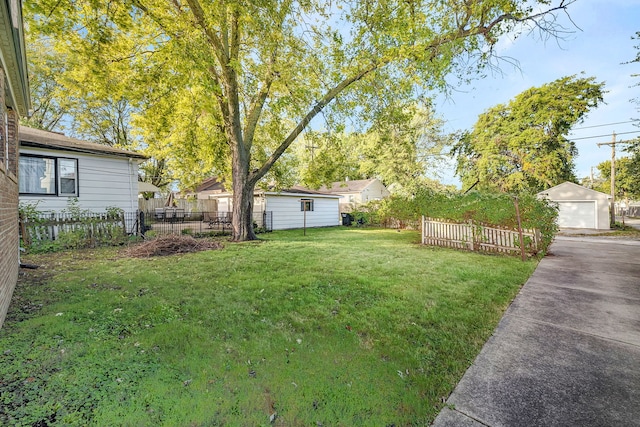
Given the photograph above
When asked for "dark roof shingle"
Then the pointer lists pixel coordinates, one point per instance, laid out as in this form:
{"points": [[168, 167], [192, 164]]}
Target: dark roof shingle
{"points": [[51, 140]]}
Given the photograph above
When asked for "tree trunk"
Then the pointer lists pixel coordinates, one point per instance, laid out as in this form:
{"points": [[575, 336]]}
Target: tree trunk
{"points": [[242, 217], [243, 188]]}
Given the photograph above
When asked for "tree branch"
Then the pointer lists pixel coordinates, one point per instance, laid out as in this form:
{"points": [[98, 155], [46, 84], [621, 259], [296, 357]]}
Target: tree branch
{"points": [[256, 175], [219, 47]]}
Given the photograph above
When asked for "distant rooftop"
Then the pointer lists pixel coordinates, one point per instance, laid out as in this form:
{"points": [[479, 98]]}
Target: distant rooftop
{"points": [[347, 186]]}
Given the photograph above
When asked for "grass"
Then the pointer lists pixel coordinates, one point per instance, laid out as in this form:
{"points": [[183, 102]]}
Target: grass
{"points": [[339, 327]]}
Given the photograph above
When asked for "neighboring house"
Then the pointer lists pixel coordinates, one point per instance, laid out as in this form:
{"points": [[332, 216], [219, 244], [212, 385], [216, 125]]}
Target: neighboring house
{"points": [[208, 189], [54, 168], [290, 208], [14, 101], [354, 193], [579, 207]]}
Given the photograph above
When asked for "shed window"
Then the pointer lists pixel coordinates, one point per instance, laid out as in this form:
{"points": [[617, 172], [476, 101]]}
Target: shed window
{"points": [[48, 176], [306, 205]]}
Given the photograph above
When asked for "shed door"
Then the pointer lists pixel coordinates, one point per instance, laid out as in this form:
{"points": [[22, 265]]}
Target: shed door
{"points": [[577, 214]]}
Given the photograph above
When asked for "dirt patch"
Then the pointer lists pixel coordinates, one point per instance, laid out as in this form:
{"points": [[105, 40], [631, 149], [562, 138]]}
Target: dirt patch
{"points": [[171, 245]]}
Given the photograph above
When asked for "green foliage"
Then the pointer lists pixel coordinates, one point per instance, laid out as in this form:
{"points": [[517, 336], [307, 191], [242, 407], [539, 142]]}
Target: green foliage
{"points": [[226, 87], [403, 145], [229, 337], [627, 177], [523, 146], [636, 59], [486, 208], [73, 228]]}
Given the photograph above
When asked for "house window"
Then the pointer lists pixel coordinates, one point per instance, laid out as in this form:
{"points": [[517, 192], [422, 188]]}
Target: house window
{"points": [[67, 182], [48, 176], [306, 205]]}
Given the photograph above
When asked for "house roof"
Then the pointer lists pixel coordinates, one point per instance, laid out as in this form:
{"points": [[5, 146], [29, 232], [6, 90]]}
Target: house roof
{"points": [[347, 186], [37, 138], [210, 184], [13, 55]]}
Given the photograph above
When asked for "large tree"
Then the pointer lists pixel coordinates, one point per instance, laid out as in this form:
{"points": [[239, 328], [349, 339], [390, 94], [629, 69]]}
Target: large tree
{"points": [[49, 102], [231, 84], [400, 148], [523, 145], [627, 182], [634, 147]]}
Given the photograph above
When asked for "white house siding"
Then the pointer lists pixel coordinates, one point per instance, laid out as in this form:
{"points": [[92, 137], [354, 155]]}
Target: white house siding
{"points": [[374, 191], [287, 213], [103, 181]]}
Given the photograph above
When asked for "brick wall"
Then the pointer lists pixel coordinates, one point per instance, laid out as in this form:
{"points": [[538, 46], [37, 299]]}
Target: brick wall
{"points": [[8, 203]]}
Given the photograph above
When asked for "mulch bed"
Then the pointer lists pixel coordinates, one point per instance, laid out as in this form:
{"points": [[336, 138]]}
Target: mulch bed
{"points": [[171, 245]]}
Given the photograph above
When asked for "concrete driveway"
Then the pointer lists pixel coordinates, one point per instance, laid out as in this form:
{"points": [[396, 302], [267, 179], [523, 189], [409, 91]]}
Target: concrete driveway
{"points": [[567, 351]]}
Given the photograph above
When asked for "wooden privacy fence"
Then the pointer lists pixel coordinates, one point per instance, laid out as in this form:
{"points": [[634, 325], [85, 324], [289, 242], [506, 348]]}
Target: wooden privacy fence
{"points": [[475, 236]]}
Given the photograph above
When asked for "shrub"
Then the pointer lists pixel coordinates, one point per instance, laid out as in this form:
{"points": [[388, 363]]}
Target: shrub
{"points": [[487, 208], [73, 228]]}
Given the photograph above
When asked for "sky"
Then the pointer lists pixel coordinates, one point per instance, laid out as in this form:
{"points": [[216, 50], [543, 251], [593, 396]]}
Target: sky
{"points": [[598, 47]]}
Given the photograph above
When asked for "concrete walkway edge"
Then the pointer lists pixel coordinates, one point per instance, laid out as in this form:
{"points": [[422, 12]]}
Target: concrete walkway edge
{"points": [[567, 351]]}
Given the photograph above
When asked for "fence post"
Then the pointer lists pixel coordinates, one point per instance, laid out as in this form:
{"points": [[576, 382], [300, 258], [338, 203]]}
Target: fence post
{"points": [[124, 224], [473, 236], [522, 251], [141, 224], [26, 239]]}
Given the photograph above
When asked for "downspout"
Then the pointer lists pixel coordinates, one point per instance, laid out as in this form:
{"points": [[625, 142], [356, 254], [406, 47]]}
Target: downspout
{"points": [[131, 185]]}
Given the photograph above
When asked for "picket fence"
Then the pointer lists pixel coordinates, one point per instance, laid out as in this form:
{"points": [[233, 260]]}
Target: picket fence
{"points": [[89, 229], [475, 236]]}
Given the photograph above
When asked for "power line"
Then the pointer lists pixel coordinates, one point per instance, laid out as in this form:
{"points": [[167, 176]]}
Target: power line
{"points": [[602, 136], [606, 124]]}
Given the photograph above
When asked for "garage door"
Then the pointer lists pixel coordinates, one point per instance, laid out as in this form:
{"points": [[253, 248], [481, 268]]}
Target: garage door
{"points": [[580, 214]]}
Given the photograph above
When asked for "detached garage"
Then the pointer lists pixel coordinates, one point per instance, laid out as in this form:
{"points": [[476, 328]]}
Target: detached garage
{"points": [[579, 207], [295, 207], [290, 208]]}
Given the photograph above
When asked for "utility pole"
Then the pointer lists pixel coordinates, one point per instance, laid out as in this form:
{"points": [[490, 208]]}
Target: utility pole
{"points": [[613, 177], [312, 148]]}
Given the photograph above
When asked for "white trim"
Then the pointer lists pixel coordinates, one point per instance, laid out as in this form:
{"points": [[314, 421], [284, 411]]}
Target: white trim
{"points": [[303, 195]]}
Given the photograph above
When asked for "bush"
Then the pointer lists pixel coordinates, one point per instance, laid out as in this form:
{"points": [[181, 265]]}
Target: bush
{"points": [[73, 228], [486, 208]]}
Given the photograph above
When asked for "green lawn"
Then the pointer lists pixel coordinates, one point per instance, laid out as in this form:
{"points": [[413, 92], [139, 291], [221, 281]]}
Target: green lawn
{"points": [[343, 327]]}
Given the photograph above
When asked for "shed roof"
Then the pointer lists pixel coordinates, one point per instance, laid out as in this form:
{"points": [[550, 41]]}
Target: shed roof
{"points": [[37, 138], [298, 190]]}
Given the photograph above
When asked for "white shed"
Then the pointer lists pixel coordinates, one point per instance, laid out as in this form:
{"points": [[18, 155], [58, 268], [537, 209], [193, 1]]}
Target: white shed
{"points": [[54, 168], [288, 208], [579, 207]]}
